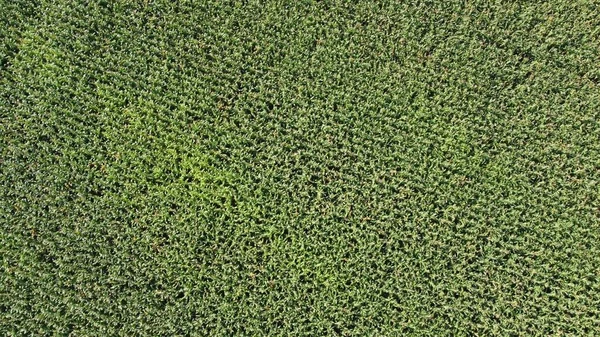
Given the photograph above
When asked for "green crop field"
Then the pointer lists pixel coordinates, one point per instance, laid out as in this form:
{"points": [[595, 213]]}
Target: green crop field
{"points": [[299, 168]]}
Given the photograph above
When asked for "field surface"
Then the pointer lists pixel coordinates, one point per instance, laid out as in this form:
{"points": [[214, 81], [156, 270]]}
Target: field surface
{"points": [[299, 168]]}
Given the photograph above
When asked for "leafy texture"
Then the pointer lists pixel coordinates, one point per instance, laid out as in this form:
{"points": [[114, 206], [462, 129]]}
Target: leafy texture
{"points": [[299, 168]]}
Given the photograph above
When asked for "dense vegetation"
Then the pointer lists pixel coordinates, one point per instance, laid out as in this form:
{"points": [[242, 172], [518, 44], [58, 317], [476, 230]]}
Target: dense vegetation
{"points": [[309, 168]]}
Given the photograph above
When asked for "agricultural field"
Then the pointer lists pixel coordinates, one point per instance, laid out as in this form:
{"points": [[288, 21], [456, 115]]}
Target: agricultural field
{"points": [[299, 168]]}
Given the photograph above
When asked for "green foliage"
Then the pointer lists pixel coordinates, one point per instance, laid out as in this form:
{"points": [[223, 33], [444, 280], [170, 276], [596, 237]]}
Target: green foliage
{"points": [[299, 168]]}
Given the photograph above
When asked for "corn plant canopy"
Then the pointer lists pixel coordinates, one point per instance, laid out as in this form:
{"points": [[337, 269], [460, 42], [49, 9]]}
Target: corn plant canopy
{"points": [[299, 168]]}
